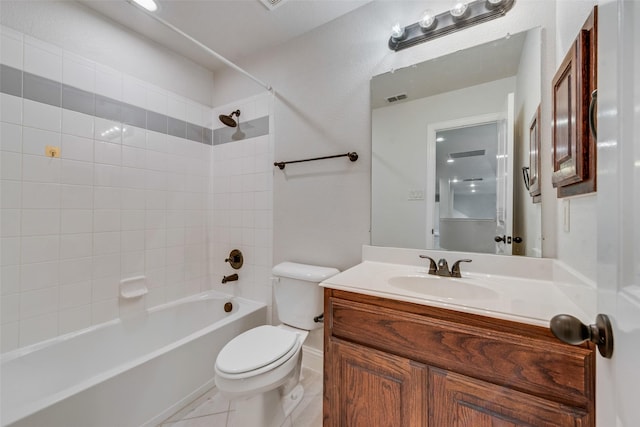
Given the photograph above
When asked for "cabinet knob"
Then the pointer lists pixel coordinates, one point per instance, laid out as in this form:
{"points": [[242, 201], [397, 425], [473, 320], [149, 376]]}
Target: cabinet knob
{"points": [[572, 331], [499, 239]]}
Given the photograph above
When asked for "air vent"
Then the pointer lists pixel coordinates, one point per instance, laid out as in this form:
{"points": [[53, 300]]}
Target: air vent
{"points": [[466, 154], [396, 98], [272, 4]]}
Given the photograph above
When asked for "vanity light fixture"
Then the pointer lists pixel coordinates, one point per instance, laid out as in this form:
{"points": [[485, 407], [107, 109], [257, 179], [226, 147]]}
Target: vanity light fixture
{"points": [[427, 20], [463, 14], [150, 5], [459, 9], [397, 32]]}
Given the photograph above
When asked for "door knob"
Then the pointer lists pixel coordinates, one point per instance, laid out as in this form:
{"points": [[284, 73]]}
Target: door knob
{"points": [[572, 331], [499, 239], [517, 239]]}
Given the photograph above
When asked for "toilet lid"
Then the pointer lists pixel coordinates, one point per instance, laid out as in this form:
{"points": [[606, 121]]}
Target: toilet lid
{"points": [[255, 348]]}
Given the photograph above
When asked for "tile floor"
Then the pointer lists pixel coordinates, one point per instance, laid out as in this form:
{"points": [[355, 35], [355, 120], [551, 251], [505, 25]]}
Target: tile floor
{"points": [[213, 410]]}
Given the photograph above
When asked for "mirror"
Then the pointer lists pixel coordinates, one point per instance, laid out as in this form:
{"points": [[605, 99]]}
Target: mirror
{"points": [[450, 137]]}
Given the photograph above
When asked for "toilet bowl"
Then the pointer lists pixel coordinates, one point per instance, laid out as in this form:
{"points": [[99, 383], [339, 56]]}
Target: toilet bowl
{"points": [[260, 368]]}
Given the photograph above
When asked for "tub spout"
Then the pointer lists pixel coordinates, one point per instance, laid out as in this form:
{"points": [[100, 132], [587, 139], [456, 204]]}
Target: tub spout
{"points": [[231, 278]]}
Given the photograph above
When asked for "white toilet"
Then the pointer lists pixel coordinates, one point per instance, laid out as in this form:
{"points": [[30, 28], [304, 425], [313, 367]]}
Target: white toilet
{"points": [[260, 368]]}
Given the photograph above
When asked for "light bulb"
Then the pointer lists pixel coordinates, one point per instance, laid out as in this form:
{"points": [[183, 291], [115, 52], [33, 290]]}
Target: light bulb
{"points": [[397, 32], [459, 9], [427, 20], [150, 5]]}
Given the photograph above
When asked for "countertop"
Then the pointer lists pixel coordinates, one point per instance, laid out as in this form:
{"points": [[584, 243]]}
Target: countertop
{"points": [[527, 300]]}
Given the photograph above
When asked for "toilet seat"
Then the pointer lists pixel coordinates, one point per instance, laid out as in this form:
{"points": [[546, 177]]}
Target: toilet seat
{"points": [[255, 351]]}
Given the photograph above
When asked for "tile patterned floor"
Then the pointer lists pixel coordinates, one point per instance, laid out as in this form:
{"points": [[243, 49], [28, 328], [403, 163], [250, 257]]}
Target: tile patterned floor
{"points": [[213, 410]]}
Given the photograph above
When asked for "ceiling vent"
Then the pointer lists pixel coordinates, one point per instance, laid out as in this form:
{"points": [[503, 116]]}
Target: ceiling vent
{"points": [[466, 154], [272, 4], [396, 98]]}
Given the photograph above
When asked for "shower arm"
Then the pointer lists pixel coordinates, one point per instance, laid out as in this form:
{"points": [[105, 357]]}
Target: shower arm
{"points": [[202, 46]]}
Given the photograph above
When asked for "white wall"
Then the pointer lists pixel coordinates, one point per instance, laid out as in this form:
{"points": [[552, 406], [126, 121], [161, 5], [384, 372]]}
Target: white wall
{"points": [[578, 246], [242, 205], [119, 202], [322, 79], [527, 99], [84, 32], [399, 137]]}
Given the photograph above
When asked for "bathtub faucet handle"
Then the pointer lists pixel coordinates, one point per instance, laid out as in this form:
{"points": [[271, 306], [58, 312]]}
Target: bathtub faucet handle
{"points": [[235, 259], [231, 278]]}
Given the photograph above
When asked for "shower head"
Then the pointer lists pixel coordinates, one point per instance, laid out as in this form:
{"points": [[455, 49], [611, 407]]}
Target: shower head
{"points": [[228, 120]]}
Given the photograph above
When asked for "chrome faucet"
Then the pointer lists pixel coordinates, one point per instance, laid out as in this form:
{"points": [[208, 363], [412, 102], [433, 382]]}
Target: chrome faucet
{"points": [[442, 268]]}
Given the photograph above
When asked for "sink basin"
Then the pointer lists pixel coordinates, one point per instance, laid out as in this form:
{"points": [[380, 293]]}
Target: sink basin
{"points": [[442, 287]]}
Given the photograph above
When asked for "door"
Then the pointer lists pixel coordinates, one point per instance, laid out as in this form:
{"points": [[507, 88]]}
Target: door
{"points": [[470, 183], [619, 209], [373, 388], [460, 401], [504, 180]]}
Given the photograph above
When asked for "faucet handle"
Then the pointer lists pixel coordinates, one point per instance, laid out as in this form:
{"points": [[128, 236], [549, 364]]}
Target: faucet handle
{"points": [[432, 264], [455, 270]]}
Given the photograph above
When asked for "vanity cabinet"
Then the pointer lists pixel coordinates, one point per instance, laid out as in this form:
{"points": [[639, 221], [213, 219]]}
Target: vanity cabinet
{"points": [[393, 363]]}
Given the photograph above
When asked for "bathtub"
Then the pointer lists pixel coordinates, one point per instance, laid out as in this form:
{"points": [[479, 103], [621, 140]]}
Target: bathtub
{"points": [[127, 372]]}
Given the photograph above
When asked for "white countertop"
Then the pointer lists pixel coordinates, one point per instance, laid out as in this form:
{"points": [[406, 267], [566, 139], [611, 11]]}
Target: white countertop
{"points": [[516, 298]]}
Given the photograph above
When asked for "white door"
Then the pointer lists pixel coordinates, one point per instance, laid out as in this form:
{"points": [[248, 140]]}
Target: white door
{"points": [[504, 179], [618, 378]]}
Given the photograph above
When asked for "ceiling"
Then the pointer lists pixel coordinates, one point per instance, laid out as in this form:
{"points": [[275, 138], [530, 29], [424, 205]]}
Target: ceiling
{"points": [[233, 28]]}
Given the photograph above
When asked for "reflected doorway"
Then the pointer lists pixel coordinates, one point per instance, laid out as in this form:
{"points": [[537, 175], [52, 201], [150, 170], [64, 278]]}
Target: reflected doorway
{"points": [[470, 183]]}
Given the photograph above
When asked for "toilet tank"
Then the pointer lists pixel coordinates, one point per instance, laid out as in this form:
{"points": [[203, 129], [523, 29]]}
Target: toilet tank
{"points": [[298, 297]]}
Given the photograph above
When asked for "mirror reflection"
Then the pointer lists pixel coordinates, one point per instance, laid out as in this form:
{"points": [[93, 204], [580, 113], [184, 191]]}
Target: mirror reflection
{"points": [[449, 140]]}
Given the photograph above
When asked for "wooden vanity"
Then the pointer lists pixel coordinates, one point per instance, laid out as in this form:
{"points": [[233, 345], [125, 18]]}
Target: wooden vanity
{"points": [[395, 363]]}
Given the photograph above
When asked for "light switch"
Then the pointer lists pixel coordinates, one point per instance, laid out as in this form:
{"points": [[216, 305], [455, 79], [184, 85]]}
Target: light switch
{"points": [[566, 214], [416, 194]]}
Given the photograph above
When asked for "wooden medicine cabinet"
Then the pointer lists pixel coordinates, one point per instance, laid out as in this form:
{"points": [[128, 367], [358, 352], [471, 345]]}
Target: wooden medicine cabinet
{"points": [[573, 97]]}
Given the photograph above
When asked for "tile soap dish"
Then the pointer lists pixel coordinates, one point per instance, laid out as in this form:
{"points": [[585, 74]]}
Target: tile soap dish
{"points": [[133, 287]]}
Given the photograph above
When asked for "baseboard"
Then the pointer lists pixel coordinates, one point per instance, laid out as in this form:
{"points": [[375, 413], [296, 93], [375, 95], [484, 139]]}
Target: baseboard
{"points": [[312, 358]]}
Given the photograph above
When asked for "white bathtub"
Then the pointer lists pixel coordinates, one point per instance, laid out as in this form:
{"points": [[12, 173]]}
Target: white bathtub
{"points": [[123, 373]]}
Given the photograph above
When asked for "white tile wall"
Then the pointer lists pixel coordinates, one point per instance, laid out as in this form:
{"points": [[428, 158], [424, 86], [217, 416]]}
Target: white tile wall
{"points": [[242, 206], [120, 201]]}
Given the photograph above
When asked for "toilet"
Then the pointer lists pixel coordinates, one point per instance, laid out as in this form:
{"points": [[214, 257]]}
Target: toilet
{"points": [[260, 368]]}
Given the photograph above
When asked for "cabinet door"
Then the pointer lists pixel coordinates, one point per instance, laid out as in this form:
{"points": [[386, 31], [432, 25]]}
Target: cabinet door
{"points": [[373, 389], [574, 154], [459, 401]]}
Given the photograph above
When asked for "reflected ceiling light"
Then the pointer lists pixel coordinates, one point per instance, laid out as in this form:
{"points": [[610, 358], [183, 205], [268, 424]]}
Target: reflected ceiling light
{"points": [[449, 160], [472, 185], [473, 191], [440, 139], [464, 13], [454, 180], [150, 5]]}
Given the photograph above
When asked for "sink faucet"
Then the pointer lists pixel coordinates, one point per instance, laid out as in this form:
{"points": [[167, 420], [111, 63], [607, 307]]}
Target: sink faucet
{"points": [[455, 270], [442, 268]]}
